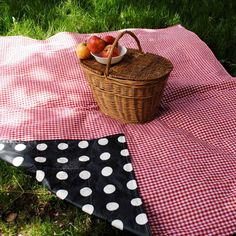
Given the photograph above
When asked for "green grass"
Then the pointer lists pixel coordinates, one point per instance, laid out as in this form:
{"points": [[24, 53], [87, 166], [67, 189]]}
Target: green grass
{"points": [[39, 212], [213, 20]]}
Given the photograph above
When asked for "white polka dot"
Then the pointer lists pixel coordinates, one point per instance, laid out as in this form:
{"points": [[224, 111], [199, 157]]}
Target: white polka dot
{"points": [[20, 147], [83, 144], [1, 146], [84, 174], [105, 156], [141, 219], [128, 167], [62, 160], [121, 139], [124, 152], [88, 208], [110, 188], [136, 201], [106, 171], [118, 224], [84, 158], [40, 175], [132, 184], [42, 146], [62, 175], [62, 146], [112, 206], [85, 192], [17, 161], [103, 141], [62, 194], [40, 159]]}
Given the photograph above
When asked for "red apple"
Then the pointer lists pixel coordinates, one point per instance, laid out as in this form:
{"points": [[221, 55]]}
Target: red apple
{"points": [[96, 44], [109, 39], [82, 51], [107, 49]]}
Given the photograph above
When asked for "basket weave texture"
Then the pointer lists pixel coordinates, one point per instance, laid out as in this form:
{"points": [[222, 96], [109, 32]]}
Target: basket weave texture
{"points": [[131, 90]]}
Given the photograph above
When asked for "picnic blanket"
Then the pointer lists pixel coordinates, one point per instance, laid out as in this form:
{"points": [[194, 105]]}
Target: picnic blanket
{"points": [[184, 160]]}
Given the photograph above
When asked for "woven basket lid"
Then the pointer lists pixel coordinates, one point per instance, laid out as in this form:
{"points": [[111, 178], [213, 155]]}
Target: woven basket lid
{"points": [[134, 66]]}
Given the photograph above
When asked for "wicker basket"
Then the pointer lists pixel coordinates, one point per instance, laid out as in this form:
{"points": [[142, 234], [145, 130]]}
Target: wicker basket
{"points": [[131, 90]]}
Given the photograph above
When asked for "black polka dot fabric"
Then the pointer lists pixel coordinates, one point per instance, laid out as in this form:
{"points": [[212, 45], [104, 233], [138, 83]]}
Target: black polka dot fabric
{"points": [[95, 175]]}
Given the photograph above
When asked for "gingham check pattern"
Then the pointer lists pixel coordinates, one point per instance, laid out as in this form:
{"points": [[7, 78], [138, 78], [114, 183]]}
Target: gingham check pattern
{"points": [[184, 160]]}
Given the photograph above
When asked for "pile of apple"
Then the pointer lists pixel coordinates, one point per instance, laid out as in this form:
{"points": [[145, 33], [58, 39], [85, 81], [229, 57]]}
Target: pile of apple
{"points": [[97, 45]]}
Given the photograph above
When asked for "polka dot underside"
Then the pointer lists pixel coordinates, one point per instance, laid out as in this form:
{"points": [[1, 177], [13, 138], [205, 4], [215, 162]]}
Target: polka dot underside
{"points": [[103, 141], [105, 156], [84, 158], [40, 159], [62, 146], [42, 146], [124, 152], [17, 161], [128, 167], [107, 171], [40, 175], [62, 160], [88, 208], [121, 139], [136, 201], [85, 192], [84, 174], [62, 175], [20, 147], [141, 219], [131, 184], [112, 206], [62, 194], [83, 144], [109, 189], [1, 146], [118, 224]]}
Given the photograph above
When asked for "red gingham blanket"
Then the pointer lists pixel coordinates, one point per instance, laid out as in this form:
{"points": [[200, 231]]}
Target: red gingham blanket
{"points": [[184, 160]]}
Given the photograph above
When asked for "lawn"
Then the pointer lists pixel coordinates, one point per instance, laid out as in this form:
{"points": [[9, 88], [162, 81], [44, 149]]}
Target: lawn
{"points": [[26, 207]]}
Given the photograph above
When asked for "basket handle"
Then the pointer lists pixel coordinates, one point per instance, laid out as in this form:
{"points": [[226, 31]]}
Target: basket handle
{"points": [[116, 43]]}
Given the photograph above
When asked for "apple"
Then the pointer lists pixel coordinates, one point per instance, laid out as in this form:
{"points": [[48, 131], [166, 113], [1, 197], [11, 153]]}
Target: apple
{"points": [[82, 51], [109, 39], [107, 49], [96, 44]]}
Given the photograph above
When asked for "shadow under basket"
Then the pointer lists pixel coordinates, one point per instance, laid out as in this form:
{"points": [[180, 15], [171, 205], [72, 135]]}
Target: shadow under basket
{"points": [[131, 90]]}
